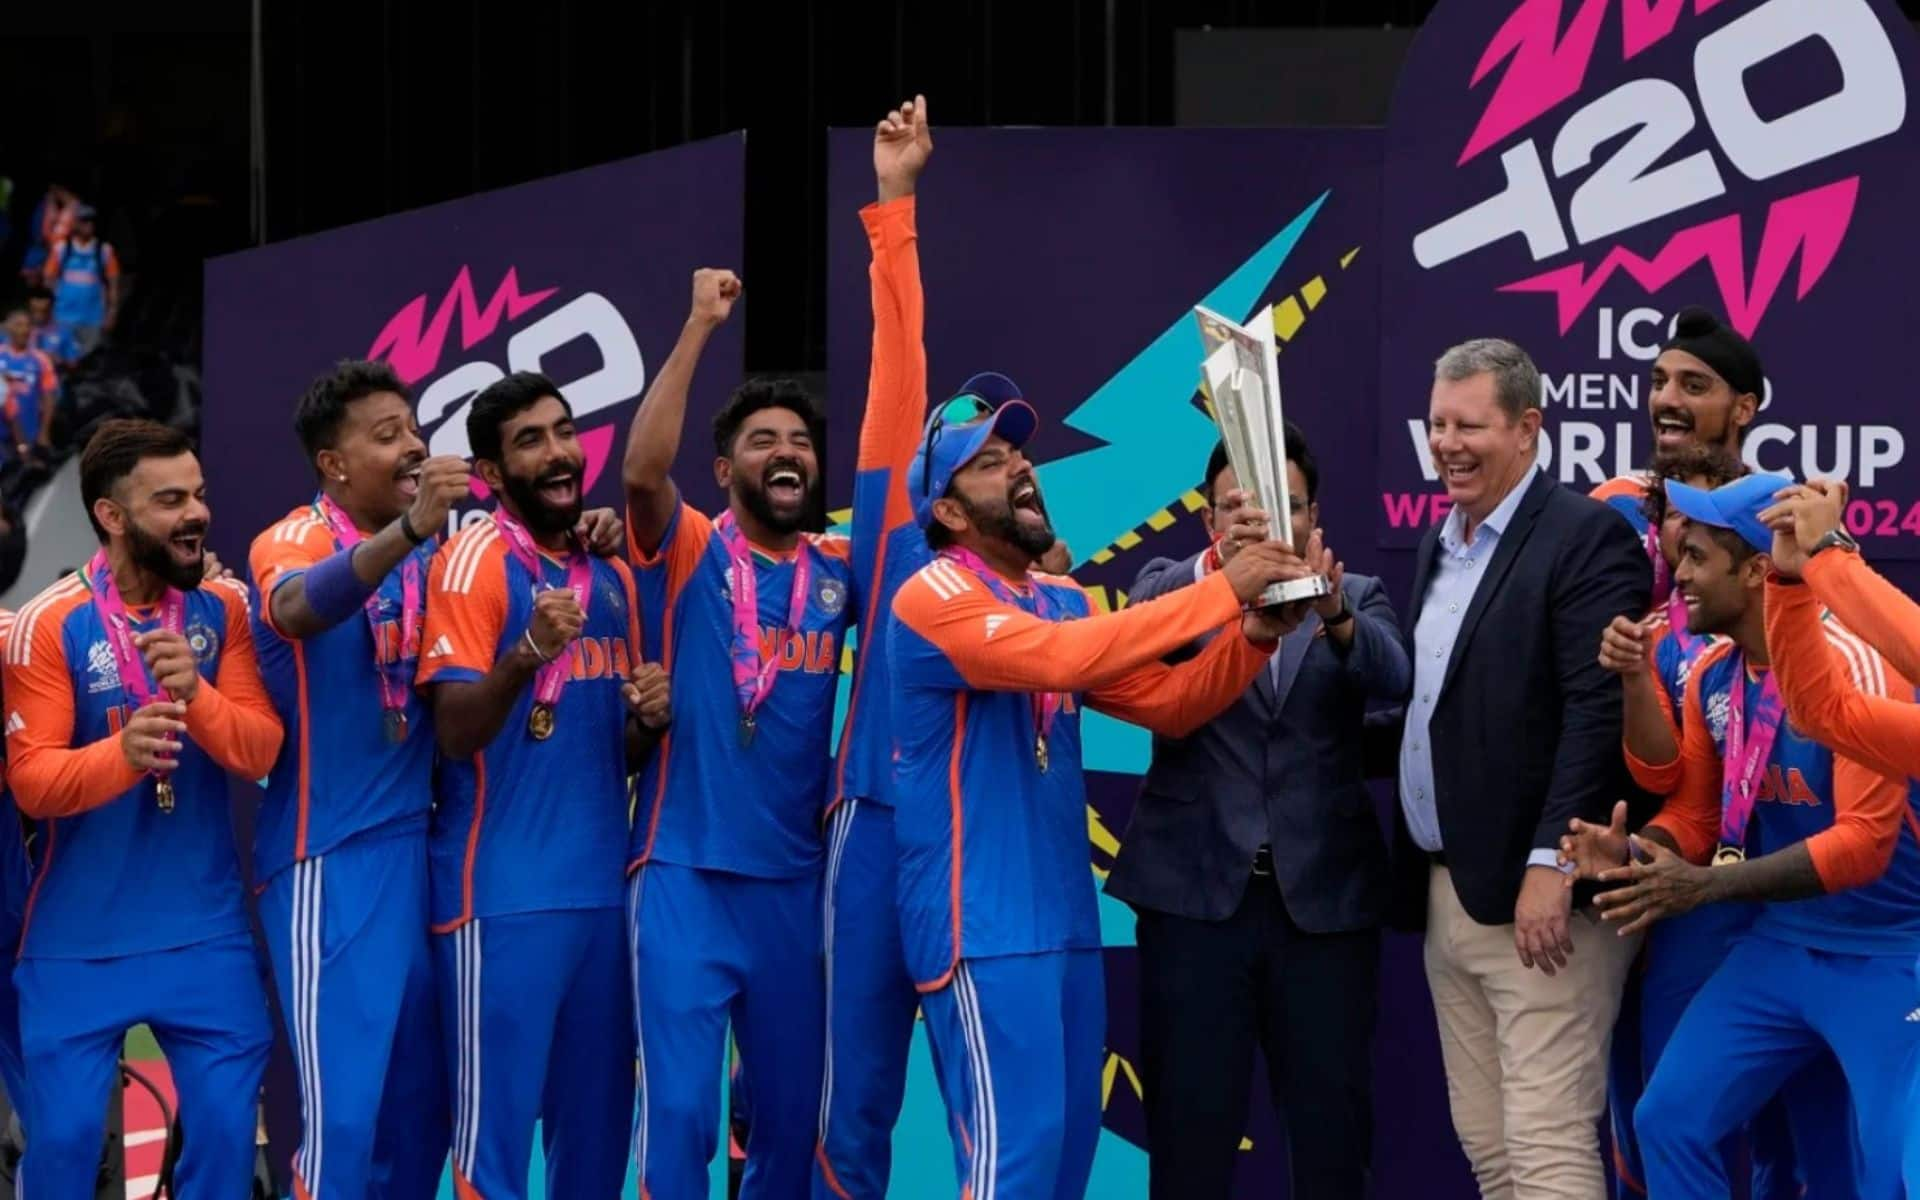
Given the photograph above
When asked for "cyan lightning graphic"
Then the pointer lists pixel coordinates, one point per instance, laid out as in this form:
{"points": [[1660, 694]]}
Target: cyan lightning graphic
{"points": [[1153, 435]]}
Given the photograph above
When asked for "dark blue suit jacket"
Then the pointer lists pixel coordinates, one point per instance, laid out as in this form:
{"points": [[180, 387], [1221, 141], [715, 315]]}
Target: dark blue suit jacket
{"points": [[1282, 767], [1526, 730]]}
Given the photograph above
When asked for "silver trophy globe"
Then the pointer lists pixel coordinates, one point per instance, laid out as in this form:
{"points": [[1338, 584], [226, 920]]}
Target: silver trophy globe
{"points": [[1241, 367]]}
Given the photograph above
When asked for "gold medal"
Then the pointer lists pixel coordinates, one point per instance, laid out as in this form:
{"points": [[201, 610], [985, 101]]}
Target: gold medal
{"points": [[163, 793], [1726, 855], [540, 722], [1040, 752]]}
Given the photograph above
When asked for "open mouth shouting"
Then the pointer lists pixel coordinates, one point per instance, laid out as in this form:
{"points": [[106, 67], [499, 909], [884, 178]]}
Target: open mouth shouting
{"points": [[786, 484], [559, 488], [189, 543], [1672, 426], [1025, 497]]}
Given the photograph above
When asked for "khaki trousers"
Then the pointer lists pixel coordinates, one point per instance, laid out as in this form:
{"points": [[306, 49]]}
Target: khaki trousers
{"points": [[1526, 1054]]}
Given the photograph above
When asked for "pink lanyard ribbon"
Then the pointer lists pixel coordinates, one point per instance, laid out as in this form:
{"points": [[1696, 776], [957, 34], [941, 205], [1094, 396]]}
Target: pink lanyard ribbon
{"points": [[1046, 705], [551, 678], [753, 675], [1747, 751], [393, 675], [1664, 593], [127, 660]]}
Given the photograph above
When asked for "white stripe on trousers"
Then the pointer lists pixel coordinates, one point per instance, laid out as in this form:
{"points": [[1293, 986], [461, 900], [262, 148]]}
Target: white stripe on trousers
{"points": [[639, 1046], [986, 1132], [836, 850], [466, 1110], [304, 1021]]}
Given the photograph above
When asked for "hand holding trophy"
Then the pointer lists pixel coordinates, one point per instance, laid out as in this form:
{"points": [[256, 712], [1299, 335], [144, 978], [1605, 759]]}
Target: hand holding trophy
{"points": [[1241, 367]]}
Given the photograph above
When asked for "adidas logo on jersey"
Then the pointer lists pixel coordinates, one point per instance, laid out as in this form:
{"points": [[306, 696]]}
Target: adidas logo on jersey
{"points": [[441, 648], [994, 622], [1914, 1017], [15, 722]]}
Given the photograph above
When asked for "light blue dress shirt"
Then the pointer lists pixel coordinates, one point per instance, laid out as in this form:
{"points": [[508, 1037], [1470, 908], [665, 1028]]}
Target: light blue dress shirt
{"points": [[1458, 569]]}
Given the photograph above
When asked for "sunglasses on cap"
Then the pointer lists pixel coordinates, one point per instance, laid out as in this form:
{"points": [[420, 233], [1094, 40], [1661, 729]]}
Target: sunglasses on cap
{"points": [[963, 409]]}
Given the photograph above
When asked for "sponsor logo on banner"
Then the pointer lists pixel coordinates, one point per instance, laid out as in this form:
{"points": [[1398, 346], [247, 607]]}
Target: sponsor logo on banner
{"points": [[1571, 173]]}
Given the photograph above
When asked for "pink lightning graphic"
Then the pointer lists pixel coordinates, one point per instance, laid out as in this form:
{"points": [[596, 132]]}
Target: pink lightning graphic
{"points": [[1548, 66], [1812, 223]]}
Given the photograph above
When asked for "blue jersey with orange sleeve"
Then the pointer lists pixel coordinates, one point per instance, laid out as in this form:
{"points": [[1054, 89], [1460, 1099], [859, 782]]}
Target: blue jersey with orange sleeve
{"points": [[78, 276], [54, 340], [337, 776], [15, 872], [526, 825], [115, 874], [704, 799], [993, 849], [1859, 826], [1625, 494], [888, 546], [32, 385]]}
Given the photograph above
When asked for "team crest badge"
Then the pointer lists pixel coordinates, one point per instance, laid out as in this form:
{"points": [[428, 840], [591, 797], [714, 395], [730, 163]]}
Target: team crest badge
{"points": [[831, 596], [203, 642]]}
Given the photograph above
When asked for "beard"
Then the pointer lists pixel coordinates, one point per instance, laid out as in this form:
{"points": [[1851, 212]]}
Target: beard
{"points": [[998, 520], [753, 495], [155, 556], [541, 516]]}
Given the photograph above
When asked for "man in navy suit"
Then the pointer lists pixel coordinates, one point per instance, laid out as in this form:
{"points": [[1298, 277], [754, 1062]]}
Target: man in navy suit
{"points": [[1513, 729], [1258, 870]]}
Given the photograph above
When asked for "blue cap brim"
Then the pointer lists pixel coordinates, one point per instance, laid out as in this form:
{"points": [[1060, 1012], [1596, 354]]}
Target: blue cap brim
{"points": [[1015, 421], [1696, 504]]}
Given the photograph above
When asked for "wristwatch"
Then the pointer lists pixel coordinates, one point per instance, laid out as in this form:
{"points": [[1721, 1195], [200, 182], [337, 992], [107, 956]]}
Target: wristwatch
{"points": [[1837, 536], [1340, 618]]}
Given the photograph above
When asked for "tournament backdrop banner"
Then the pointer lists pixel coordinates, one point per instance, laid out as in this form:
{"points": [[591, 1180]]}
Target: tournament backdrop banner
{"points": [[1071, 260], [1571, 173], [585, 277]]}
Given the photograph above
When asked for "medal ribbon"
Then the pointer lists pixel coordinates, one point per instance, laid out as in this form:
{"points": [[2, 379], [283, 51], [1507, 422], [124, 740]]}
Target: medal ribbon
{"points": [[551, 678], [1046, 705], [752, 676], [1747, 750], [1662, 573], [127, 661], [393, 676]]}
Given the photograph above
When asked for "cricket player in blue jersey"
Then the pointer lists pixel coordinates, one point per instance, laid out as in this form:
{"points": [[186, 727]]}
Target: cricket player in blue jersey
{"points": [[1824, 846]]}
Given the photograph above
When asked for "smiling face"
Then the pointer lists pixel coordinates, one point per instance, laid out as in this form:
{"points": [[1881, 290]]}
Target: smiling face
{"points": [[1690, 404], [158, 511], [1478, 448], [541, 467], [773, 470], [374, 462], [1716, 585], [995, 493]]}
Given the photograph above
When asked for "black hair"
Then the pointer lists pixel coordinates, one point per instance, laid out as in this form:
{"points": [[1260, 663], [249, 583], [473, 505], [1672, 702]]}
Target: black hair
{"points": [[756, 395], [501, 401], [13, 309], [1716, 464], [40, 291], [1739, 547], [323, 406], [1298, 453], [115, 449]]}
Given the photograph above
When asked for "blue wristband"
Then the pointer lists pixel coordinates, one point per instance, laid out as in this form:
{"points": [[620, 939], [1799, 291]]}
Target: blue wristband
{"points": [[334, 592]]}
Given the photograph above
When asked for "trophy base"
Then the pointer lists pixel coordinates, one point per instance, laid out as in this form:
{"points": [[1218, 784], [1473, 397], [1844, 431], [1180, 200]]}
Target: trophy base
{"points": [[1311, 588]]}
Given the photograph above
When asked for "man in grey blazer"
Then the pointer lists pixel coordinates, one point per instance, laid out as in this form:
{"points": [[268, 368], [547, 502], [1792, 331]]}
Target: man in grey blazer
{"points": [[1259, 874]]}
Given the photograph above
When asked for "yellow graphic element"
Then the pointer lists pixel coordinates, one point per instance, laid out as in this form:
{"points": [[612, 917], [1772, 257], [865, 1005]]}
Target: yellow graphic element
{"points": [[1116, 1066], [1289, 317], [1102, 839], [840, 516]]}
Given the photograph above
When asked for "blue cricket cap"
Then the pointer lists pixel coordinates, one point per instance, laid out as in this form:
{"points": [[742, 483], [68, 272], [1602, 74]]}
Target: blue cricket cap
{"points": [[986, 405], [1736, 506]]}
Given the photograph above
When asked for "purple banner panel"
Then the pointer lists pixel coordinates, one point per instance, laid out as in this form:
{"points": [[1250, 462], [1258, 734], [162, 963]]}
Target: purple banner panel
{"points": [[1570, 175]]}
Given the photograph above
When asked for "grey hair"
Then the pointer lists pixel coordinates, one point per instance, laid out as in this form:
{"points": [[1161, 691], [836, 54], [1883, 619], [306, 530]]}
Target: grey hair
{"points": [[1516, 380]]}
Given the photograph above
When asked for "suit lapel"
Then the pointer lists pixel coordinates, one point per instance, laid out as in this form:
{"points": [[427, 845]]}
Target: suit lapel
{"points": [[1293, 651], [1422, 574], [1512, 538]]}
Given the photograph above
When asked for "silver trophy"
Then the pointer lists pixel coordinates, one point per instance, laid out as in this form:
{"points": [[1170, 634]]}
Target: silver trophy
{"points": [[1242, 371]]}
